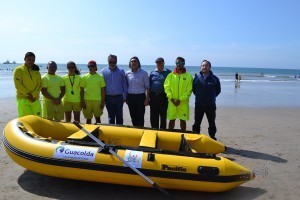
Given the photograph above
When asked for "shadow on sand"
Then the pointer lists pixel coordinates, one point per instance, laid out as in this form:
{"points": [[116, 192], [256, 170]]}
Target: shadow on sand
{"points": [[254, 154], [57, 188]]}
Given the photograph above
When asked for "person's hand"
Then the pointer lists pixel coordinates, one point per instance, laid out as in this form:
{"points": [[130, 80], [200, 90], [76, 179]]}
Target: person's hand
{"points": [[175, 102], [83, 105], [57, 101], [30, 97], [102, 104], [146, 102]]}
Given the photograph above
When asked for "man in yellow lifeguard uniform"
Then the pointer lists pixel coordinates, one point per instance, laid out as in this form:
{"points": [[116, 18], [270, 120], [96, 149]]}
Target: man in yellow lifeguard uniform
{"points": [[53, 90], [92, 93], [178, 87], [27, 80]]}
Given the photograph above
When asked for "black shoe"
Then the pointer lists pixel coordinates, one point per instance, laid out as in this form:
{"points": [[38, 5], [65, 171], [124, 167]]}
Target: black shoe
{"points": [[214, 138]]}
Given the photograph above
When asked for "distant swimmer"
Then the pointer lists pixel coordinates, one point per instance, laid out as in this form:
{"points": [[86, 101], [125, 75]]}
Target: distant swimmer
{"points": [[236, 76]]}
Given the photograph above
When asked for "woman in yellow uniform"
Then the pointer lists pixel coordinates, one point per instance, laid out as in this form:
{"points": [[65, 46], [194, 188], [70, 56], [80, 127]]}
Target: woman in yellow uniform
{"points": [[71, 100]]}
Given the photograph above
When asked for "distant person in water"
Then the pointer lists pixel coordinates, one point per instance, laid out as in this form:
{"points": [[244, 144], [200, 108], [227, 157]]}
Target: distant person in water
{"points": [[28, 84], [236, 76], [53, 90], [206, 87], [71, 100]]}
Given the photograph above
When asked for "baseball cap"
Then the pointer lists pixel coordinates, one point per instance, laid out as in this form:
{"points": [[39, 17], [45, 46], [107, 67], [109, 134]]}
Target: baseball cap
{"points": [[92, 62], [160, 60]]}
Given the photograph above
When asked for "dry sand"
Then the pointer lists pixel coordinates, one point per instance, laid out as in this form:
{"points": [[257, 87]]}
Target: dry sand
{"points": [[262, 139]]}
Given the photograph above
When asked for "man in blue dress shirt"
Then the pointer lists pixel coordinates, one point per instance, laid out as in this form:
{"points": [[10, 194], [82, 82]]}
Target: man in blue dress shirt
{"points": [[158, 97], [116, 90]]}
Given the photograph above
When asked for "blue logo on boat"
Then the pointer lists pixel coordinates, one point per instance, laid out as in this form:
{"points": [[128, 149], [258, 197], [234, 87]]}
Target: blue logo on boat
{"points": [[60, 149]]}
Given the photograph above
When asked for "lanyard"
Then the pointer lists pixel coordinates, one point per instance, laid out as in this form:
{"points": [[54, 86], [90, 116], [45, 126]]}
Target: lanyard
{"points": [[72, 83]]}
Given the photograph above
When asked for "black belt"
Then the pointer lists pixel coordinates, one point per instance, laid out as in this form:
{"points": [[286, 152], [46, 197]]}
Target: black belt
{"points": [[116, 95], [158, 93], [137, 94]]}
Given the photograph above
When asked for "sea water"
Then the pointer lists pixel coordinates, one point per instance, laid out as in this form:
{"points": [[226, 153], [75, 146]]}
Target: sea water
{"points": [[259, 87]]}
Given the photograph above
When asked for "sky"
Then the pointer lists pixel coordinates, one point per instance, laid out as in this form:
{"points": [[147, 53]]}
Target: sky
{"points": [[229, 33]]}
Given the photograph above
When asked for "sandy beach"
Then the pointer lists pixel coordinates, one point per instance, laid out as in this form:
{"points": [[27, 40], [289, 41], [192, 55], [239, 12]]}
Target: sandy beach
{"points": [[262, 139]]}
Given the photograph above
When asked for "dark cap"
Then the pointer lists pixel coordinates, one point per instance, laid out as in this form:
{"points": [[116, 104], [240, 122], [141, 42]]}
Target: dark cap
{"points": [[52, 64], [160, 60], [92, 62]]}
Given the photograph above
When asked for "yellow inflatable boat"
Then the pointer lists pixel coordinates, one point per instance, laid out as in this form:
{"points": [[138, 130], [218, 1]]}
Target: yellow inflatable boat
{"points": [[172, 160]]}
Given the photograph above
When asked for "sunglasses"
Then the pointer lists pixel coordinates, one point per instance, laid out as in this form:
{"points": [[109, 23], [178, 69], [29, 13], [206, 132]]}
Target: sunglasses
{"points": [[71, 67], [159, 61], [91, 66], [112, 62], [180, 63]]}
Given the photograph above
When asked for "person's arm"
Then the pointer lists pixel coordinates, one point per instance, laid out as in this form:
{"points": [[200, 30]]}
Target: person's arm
{"points": [[102, 97], [38, 89], [62, 94], [82, 92], [82, 98], [150, 82], [18, 81], [46, 94], [168, 90], [147, 100], [194, 85], [218, 87], [167, 87], [125, 86], [103, 92], [188, 90], [62, 88], [147, 87]]}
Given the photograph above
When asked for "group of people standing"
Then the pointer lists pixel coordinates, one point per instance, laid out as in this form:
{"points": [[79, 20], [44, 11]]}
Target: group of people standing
{"points": [[167, 92]]}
